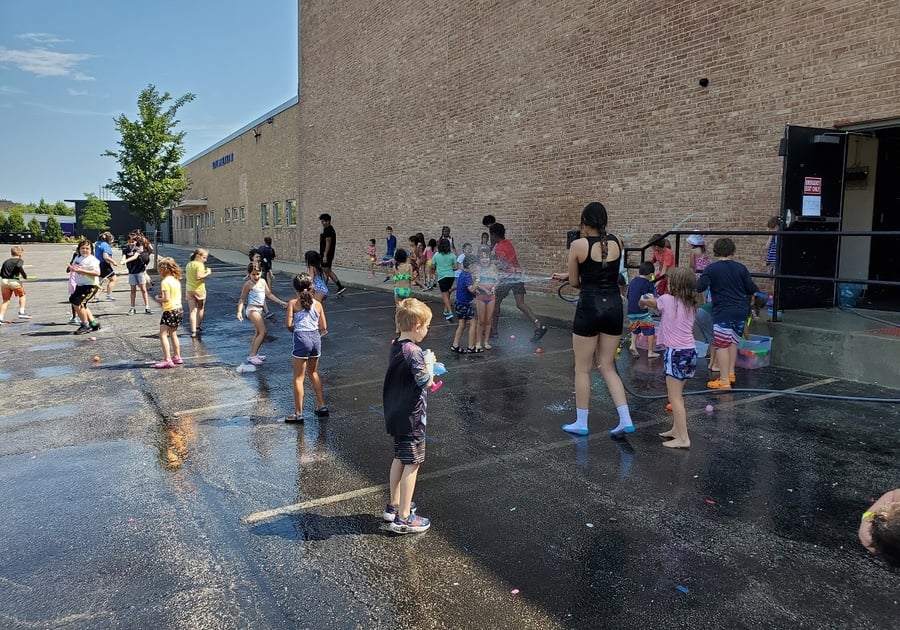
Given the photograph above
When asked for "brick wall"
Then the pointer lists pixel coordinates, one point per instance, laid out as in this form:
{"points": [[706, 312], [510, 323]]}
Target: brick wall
{"points": [[263, 170], [422, 113]]}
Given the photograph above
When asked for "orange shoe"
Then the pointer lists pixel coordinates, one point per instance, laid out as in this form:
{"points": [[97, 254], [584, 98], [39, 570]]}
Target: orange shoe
{"points": [[717, 384], [732, 378]]}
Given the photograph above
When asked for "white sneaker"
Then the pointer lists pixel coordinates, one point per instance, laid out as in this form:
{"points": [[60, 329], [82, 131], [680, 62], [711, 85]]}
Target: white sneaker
{"points": [[24, 316]]}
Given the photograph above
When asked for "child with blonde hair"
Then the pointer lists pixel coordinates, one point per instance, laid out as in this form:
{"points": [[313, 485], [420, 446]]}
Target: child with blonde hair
{"points": [[676, 332], [196, 272], [409, 374], [879, 531], [306, 320], [173, 315]]}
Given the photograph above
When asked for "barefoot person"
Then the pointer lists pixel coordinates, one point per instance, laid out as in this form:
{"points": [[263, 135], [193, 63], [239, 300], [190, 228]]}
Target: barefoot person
{"points": [[597, 330], [676, 333]]}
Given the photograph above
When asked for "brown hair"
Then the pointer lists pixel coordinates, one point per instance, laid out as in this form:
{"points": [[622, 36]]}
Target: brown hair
{"points": [[885, 533], [168, 267], [302, 285], [683, 286]]}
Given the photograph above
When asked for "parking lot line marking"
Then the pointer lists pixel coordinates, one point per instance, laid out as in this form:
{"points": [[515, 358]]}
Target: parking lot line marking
{"points": [[530, 452]]}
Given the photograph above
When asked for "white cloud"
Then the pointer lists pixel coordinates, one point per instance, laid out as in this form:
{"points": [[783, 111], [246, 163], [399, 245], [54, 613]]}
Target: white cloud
{"points": [[42, 62], [43, 38], [72, 111], [80, 76], [76, 92]]}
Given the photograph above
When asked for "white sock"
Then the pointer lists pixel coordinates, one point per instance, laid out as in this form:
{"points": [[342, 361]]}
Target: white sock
{"points": [[624, 415], [581, 422]]}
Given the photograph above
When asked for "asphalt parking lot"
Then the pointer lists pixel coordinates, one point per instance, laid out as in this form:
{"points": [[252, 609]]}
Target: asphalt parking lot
{"points": [[179, 498]]}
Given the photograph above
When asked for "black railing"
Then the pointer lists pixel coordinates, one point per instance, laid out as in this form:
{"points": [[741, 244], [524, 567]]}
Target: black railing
{"points": [[780, 236]]}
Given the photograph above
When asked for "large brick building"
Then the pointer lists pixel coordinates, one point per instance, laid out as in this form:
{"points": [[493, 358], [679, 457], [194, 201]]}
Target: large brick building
{"points": [[422, 114]]}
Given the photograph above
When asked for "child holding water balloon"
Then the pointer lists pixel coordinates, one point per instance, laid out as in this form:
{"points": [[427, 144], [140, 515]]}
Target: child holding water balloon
{"points": [[676, 332]]}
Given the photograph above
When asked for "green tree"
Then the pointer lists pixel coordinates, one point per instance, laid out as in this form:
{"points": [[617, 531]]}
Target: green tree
{"points": [[62, 209], [43, 207], [15, 221], [4, 224], [34, 226], [150, 178], [96, 213], [53, 233]]}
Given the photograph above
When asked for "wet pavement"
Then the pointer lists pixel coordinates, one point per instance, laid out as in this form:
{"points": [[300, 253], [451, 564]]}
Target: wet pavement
{"points": [[178, 498]]}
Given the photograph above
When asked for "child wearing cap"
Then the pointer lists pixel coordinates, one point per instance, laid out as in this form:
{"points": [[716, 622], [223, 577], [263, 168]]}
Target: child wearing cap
{"points": [[699, 257]]}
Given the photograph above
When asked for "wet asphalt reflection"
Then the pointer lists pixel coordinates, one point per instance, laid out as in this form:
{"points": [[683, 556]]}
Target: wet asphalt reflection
{"points": [[137, 497]]}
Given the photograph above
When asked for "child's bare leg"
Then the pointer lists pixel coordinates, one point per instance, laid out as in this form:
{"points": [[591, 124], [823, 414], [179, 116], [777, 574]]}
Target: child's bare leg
{"points": [[259, 332], [299, 369], [471, 324], [675, 389], [133, 294], [727, 358], [446, 297], [488, 322], [632, 347], [396, 472], [459, 331], [713, 363], [407, 487], [313, 372], [651, 347], [164, 342], [176, 346]]}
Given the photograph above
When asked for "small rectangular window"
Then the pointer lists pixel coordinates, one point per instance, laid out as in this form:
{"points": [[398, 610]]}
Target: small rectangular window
{"points": [[212, 219], [226, 216], [234, 215], [276, 213], [264, 213], [243, 215], [290, 212]]}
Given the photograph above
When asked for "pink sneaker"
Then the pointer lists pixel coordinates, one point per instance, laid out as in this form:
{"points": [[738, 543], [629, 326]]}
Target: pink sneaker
{"points": [[163, 364], [177, 360], [254, 360]]}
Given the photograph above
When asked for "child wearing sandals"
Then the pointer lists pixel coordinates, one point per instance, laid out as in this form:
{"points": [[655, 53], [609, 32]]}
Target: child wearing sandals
{"points": [[306, 320], [409, 375], [173, 314], [466, 288], [676, 333], [255, 291], [488, 277]]}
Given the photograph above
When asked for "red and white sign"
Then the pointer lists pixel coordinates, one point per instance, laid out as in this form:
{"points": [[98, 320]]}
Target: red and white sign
{"points": [[812, 185]]}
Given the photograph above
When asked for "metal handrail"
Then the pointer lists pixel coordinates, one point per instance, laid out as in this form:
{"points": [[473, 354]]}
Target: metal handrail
{"points": [[777, 276]]}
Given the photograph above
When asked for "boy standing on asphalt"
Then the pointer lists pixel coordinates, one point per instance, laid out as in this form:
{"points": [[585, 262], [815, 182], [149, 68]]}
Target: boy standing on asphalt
{"points": [[409, 375], [731, 287], [327, 242], [510, 280], [11, 275]]}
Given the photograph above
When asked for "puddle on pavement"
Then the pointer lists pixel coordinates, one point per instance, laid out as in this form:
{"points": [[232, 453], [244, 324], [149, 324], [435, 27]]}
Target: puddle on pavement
{"points": [[62, 345], [5, 375], [54, 370]]}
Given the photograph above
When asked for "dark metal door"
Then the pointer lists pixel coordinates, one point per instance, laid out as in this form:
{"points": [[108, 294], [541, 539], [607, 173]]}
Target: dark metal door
{"points": [[884, 260], [812, 197]]}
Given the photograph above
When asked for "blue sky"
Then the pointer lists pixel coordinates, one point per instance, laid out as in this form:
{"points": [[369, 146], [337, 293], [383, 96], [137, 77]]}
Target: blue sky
{"points": [[68, 67]]}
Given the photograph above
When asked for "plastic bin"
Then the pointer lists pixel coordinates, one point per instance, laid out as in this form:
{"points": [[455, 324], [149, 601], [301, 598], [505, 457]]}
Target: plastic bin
{"points": [[702, 348], [754, 352]]}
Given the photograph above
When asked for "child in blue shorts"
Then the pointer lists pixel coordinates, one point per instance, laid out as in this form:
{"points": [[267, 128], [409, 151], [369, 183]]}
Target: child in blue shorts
{"points": [[306, 320], [465, 307]]}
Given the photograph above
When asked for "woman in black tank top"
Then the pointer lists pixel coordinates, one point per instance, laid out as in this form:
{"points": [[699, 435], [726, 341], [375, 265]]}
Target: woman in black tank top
{"points": [[593, 268]]}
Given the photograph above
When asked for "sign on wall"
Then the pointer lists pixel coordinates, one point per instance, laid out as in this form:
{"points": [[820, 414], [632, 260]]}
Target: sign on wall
{"points": [[222, 161]]}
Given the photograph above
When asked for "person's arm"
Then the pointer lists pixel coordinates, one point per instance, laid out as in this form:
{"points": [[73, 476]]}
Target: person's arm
{"points": [[323, 324], [20, 270], [274, 297], [240, 305], [703, 281], [578, 247], [163, 294], [648, 301], [290, 314], [128, 259]]}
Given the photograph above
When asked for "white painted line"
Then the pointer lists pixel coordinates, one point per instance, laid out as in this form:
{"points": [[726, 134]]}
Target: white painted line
{"points": [[353, 494]]}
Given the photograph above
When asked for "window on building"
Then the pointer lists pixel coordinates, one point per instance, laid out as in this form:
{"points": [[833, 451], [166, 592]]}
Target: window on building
{"points": [[243, 215], [234, 215], [226, 216], [212, 219], [276, 213], [264, 213], [290, 212]]}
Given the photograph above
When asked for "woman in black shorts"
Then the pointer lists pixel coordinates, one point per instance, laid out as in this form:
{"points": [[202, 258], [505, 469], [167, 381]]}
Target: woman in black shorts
{"points": [[597, 330]]}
